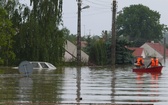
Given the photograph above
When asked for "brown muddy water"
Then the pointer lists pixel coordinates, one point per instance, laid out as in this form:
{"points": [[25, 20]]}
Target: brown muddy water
{"points": [[85, 85]]}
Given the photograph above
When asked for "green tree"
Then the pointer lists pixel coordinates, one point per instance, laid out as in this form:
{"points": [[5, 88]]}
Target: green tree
{"points": [[123, 54], [97, 54], [140, 24], [71, 37], [38, 36], [6, 33], [99, 50]]}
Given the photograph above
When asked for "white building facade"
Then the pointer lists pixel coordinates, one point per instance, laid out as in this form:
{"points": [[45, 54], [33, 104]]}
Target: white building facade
{"points": [[150, 51], [71, 53]]}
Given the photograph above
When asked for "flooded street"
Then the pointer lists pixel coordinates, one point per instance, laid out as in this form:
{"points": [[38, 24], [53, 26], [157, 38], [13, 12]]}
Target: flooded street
{"points": [[84, 85]]}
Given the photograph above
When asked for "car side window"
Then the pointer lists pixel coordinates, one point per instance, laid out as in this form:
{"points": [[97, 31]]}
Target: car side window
{"points": [[44, 65]]}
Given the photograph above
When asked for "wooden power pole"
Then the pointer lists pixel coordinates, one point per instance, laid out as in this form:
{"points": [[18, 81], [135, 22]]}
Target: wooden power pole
{"points": [[113, 40], [79, 33]]}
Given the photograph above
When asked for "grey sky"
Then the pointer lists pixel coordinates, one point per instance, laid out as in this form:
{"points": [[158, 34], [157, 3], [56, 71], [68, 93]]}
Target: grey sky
{"points": [[99, 16]]}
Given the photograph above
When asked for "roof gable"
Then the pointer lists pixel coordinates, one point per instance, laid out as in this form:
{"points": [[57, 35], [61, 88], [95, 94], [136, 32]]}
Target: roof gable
{"points": [[137, 51], [158, 47]]}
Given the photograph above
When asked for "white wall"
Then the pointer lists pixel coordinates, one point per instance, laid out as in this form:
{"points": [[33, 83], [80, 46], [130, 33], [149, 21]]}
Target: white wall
{"points": [[150, 51], [71, 48], [143, 54]]}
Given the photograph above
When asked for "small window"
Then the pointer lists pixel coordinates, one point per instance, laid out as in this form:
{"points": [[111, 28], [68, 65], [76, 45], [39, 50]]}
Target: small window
{"points": [[35, 65], [44, 65]]}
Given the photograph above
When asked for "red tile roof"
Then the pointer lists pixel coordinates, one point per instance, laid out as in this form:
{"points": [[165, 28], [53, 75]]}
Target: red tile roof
{"points": [[137, 51], [158, 47]]}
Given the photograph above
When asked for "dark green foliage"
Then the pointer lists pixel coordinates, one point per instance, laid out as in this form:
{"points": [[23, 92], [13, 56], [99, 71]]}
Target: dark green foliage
{"points": [[6, 42], [38, 35], [72, 38], [100, 52], [123, 54], [139, 24], [89, 41]]}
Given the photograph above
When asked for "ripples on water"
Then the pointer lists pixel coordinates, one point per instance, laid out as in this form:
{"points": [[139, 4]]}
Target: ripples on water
{"points": [[84, 85]]}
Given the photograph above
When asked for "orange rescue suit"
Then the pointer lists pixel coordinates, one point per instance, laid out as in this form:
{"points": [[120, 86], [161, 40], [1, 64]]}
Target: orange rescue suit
{"points": [[140, 61], [154, 62]]}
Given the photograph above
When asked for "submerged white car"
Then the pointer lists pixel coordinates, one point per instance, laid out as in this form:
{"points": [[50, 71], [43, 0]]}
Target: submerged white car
{"points": [[40, 65]]}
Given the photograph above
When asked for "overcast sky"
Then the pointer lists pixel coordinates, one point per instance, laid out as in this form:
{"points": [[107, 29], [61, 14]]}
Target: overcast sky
{"points": [[99, 16]]}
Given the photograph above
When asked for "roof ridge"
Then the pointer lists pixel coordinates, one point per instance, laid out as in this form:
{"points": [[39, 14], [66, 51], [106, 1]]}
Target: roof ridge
{"points": [[158, 47]]}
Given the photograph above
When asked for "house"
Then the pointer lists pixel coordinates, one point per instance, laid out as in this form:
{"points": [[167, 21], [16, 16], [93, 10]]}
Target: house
{"points": [[138, 52], [154, 49], [83, 44], [71, 53]]}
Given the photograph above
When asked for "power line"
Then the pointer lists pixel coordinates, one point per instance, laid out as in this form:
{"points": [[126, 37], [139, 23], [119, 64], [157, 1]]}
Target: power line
{"points": [[97, 7], [89, 14], [102, 1], [95, 3], [94, 6]]}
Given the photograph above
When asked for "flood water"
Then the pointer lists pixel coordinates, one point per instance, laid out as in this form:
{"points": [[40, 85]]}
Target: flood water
{"points": [[71, 85]]}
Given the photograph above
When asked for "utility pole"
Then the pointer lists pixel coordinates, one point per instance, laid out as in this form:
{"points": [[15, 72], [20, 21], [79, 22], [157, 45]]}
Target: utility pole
{"points": [[113, 40], [164, 57], [79, 2], [84, 30]]}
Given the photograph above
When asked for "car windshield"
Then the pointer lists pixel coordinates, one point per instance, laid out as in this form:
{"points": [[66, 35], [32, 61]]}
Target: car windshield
{"points": [[35, 65]]}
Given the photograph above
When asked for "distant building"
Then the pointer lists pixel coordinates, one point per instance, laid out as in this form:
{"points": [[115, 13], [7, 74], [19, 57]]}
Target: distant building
{"points": [[83, 44], [138, 52], [154, 49], [71, 55]]}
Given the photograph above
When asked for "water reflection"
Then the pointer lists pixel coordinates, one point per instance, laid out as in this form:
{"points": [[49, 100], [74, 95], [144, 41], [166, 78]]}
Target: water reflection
{"points": [[113, 78], [142, 81], [78, 84], [155, 85], [84, 85], [25, 87], [139, 78]]}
